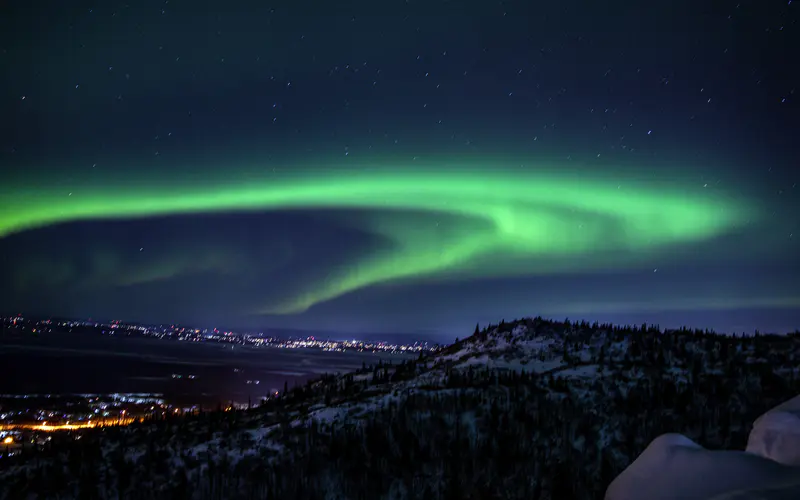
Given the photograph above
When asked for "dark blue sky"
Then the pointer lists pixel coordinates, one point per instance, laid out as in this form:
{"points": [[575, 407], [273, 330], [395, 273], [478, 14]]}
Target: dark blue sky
{"points": [[153, 99]]}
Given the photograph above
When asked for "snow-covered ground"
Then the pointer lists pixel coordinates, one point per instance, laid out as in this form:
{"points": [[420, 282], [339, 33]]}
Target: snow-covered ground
{"points": [[674, 467]]}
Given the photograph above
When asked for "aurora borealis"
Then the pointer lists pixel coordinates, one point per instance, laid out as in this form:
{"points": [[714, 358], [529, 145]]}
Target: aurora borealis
{"points": [[189, 173], [539, 224]]}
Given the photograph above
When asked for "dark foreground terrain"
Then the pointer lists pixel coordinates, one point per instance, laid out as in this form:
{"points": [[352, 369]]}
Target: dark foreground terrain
{"points": [[529, 409]]}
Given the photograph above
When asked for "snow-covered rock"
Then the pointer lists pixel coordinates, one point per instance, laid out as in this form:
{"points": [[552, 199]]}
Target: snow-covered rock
{"points": [[675, 467], [776, 434]]}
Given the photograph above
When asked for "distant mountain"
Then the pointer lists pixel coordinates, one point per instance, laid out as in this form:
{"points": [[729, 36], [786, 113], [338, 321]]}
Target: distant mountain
{"points": [[529, 409]]}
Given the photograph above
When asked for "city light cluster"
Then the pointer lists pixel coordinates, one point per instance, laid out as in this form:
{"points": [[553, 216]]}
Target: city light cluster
{"points": [[214, 335]]}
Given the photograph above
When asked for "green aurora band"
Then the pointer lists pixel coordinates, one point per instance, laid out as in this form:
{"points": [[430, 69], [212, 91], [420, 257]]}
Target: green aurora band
{"points": [[430, 223]]}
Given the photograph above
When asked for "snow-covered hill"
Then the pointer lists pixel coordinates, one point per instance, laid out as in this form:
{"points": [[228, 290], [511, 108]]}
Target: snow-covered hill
{"points": [[525, 409]]}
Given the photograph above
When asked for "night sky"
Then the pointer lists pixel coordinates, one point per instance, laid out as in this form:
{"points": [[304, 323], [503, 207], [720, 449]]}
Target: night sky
{"points": [[401, 166]]}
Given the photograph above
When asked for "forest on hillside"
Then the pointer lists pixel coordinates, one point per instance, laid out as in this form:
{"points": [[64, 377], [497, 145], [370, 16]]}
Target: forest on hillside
{"points": [[472, 432]]}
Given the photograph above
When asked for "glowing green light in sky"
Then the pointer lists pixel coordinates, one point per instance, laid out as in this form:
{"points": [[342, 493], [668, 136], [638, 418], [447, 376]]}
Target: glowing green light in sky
{"points": [[476, 222]]}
